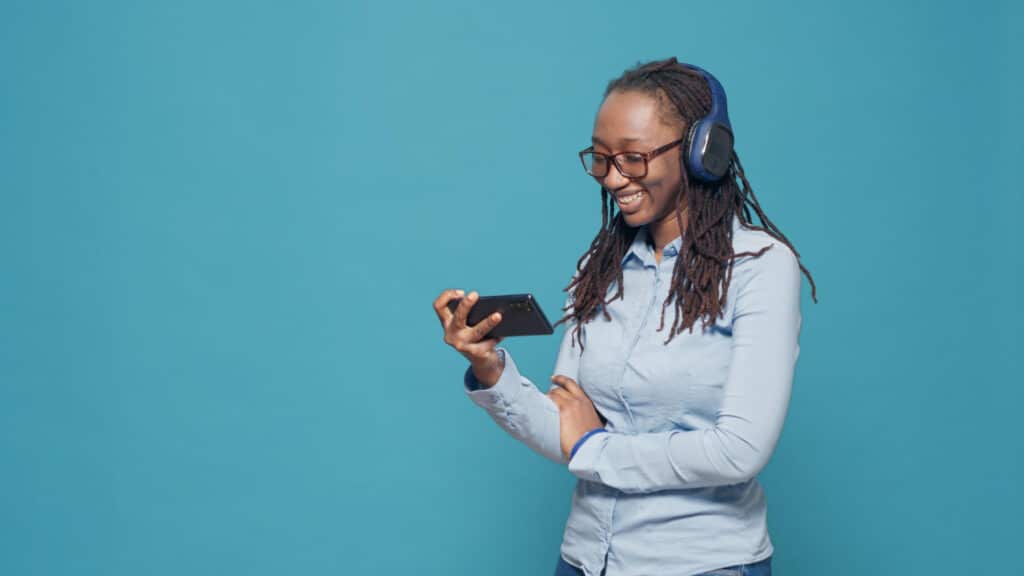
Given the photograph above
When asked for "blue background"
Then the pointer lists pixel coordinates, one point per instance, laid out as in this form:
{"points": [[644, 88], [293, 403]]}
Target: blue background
{"points": [[222, 225]]}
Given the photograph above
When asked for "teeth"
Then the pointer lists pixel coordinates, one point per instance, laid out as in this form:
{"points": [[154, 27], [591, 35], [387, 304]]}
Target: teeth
{"points": [[628, 199]]}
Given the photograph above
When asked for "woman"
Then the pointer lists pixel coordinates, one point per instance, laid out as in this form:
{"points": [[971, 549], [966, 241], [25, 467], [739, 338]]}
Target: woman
{"points": [[666, 429]]}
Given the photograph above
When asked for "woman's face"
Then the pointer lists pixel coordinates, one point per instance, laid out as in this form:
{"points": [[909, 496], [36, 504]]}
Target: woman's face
{"points": [[630, 122]]}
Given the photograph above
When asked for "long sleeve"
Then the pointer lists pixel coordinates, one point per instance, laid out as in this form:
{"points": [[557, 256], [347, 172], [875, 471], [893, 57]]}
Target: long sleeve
{"points": [[764, 349], [520, 408]]}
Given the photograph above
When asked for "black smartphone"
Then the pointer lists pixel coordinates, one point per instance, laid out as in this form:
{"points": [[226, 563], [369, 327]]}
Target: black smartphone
{"points": [[520, 315]]}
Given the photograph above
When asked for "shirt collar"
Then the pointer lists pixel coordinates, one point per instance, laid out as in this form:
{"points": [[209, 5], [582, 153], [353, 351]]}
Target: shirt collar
{"points": [[643, 252]]}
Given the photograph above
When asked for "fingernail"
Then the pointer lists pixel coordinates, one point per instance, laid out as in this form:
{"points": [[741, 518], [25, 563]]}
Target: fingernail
{"points": [[459, 292]]}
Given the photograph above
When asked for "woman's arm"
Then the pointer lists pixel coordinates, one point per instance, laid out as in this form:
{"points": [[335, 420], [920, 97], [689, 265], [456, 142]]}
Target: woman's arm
{"points": [[519, 407], [766, 326]]}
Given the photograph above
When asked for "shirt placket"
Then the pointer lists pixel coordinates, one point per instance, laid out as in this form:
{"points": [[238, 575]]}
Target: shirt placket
{"points": [[645, 314]]}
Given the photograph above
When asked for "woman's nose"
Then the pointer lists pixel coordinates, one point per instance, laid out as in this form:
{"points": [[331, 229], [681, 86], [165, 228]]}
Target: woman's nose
{"points": [[614, 179]]}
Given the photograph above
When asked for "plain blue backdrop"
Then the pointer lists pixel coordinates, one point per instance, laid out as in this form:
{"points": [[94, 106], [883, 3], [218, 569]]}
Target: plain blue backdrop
{"points": [[222, 225]]}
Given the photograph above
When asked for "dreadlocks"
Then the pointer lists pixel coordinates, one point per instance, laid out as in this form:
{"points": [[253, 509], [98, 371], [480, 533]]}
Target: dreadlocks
{"points": [[703, 270]]}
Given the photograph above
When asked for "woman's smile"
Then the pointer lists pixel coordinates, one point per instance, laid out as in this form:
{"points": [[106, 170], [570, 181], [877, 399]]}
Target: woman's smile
{"points": [[629, 202]]}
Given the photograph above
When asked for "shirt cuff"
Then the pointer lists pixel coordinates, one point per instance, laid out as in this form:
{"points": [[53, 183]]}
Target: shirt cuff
{"points": [[583, 439], [583, 464]]}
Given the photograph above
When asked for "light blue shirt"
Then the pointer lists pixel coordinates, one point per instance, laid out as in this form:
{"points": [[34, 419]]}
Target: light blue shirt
{"points": [[671, 488]]}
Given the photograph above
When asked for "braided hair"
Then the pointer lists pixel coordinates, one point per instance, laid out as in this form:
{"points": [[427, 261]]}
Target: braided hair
{"points": [[703, 270]]}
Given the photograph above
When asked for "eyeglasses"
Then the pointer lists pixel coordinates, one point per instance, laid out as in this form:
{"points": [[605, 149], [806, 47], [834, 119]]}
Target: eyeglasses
{"points": [[631, 165]]}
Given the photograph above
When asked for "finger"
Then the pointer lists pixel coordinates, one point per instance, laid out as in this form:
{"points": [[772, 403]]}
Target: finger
{"points": [[559, 393], [558, 399], [462, 311], [481, 328], [479, 349], [441, 305], [569, 384]]}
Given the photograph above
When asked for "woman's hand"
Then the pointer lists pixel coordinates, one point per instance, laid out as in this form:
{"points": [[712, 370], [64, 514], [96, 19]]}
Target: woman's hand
{"points": [[468, 340], [576, 413]]}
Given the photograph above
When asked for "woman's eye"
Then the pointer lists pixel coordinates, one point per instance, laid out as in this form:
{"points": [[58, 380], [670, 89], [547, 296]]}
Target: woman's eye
{"points": [[633, 158]]}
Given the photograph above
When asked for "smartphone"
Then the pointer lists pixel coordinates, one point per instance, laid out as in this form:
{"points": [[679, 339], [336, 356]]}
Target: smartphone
{"points": [[520, 315]]}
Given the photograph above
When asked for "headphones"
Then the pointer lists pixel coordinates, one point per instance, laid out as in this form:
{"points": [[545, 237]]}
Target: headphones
{"points": [[708, 146]]}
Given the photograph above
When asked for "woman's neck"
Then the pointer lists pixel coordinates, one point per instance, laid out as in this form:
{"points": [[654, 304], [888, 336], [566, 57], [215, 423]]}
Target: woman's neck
{"points": [[662, 232]]}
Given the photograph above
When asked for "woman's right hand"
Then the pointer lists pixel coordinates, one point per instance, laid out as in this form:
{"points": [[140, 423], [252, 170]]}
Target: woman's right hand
{"points": [[468, 340]]}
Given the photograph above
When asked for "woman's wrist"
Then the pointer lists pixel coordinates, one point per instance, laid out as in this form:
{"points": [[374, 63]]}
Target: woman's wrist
{"points": [[489, 372]]}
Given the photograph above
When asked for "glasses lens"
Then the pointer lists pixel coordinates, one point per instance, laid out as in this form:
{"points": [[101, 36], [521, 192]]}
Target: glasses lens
{"points": [[632, 165], [595, 164]]}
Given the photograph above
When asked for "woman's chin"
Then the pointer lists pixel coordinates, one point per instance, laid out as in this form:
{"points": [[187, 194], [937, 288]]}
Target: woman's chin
{"points": [[634, 219]]}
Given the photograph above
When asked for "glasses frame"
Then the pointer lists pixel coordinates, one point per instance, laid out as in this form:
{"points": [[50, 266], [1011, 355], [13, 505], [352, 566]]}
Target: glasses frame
{"points": [[647, 156]]}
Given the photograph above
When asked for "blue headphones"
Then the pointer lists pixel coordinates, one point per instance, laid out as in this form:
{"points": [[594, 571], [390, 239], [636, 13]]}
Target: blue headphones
{"points": [[708, 146]]}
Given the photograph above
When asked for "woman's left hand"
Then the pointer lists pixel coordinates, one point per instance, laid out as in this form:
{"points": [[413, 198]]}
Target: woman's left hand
{"points": [[576, 413]]}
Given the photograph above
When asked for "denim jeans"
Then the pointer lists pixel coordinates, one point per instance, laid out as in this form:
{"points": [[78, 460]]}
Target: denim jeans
{"points": [[762, 568]]}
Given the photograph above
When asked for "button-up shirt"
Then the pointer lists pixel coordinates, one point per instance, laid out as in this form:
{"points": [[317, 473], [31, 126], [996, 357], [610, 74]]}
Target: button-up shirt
{"points": [[671, 488]]}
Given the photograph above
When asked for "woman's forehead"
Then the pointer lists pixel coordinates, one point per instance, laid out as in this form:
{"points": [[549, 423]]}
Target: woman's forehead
{"points": [[629, 118]]}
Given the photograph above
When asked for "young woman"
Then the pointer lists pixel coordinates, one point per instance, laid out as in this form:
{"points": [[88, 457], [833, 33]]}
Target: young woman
{"points": [[666, 424]]}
